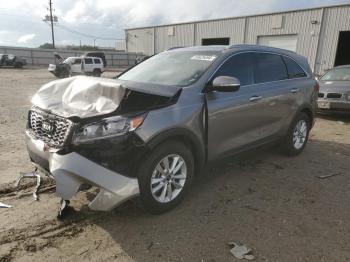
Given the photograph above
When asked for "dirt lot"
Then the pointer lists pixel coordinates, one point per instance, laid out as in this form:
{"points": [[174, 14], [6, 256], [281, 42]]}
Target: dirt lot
{"points": [[272, 203]]}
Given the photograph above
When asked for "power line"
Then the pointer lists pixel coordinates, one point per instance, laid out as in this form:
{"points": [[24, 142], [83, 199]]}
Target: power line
{"points": [[87, 35]]}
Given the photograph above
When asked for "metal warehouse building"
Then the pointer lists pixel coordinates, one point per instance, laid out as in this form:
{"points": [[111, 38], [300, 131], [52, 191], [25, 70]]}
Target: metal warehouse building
{"points": [[321, 34]]}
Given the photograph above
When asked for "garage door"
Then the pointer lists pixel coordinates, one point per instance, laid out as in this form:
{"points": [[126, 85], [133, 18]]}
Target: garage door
{"points": [[288, 42]]}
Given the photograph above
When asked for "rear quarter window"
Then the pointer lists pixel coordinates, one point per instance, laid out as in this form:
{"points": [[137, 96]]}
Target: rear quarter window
{"points": [[294, 70], [97, 61], [268, 68]]}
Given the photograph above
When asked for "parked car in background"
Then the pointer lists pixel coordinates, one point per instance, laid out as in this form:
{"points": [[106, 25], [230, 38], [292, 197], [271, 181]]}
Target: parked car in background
{"points": [[334, 95], [12, 61], [97, 54], [78, 66], [150, 130]]}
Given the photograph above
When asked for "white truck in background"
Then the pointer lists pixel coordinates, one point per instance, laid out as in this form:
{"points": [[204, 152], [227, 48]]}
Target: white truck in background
{"points": [[84, 65]]}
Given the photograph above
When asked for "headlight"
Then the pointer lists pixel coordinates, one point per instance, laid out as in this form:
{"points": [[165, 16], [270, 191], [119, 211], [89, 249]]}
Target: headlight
{"points": [[107, 128]]}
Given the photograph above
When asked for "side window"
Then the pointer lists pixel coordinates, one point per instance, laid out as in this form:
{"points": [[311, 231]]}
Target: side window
{"points": [[88, 60], [239, 66], [77, 62], [97, 61], [268, 68], [294, 70]]}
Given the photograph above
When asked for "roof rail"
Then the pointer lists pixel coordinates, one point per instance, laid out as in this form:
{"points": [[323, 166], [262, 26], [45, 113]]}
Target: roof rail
{"points": [[242, 45], [175, 47]]}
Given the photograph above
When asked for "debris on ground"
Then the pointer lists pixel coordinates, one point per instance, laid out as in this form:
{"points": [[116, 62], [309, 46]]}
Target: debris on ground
{"points": [[32, 174], [2, 205], [241, 251], [330, 175], [64, 207]]}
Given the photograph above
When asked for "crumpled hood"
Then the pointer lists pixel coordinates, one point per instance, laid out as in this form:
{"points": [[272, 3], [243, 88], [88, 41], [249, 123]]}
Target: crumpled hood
{"points": [[80, 96]]}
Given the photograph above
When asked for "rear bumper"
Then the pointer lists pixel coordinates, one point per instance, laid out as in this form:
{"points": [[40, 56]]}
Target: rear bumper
{"points": [[72, 170]]}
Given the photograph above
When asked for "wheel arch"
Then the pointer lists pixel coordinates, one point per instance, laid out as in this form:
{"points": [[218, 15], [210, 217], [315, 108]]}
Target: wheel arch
{"points": [[309, 112], [188, 138]]}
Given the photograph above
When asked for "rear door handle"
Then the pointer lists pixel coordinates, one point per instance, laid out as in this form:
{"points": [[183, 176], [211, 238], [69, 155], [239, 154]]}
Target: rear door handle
{"points": [[294, 90], [255, 98]]}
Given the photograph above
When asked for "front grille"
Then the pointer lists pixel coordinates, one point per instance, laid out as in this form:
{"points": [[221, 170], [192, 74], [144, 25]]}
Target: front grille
{"points": [[320, 95], [51, 129], [334, 95]]}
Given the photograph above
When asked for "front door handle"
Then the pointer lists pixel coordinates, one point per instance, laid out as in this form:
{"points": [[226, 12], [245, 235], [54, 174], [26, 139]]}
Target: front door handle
{"points": [[294, 90], [255, 98]]}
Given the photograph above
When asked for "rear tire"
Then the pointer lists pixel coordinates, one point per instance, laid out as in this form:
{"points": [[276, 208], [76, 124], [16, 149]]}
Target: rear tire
{"points": [[165, 176], [298, 135], [18, 65]]}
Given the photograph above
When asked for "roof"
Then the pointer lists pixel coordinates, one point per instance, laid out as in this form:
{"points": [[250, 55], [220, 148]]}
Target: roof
{"points": [[238, 47], [217, 48], [247, 47], [236, 17]]}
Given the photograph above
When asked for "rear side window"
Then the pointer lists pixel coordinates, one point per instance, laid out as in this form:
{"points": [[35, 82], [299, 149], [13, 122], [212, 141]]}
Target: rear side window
{"points": [[294, 70], [239, 66], [268, 68], [97, 61], [88, 60]]}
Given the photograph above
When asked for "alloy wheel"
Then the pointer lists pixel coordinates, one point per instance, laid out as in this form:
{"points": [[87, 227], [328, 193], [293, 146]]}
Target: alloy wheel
{"points": [[168, 178]]}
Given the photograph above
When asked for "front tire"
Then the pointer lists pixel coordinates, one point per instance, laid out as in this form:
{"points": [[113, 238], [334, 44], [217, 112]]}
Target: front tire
{"points": [[165, 176], [19, 65], [298, 135], [96, 73]]}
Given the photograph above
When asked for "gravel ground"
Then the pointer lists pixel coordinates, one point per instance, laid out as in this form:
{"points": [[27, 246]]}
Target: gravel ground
{"points": [[272, 203]]}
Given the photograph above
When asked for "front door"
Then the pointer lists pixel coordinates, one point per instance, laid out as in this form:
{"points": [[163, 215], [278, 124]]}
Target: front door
{"points": [[235, 119], [76, 66]]}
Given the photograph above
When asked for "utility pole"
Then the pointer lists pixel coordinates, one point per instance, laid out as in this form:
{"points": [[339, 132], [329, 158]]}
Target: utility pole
{"points": [[51, 20]]}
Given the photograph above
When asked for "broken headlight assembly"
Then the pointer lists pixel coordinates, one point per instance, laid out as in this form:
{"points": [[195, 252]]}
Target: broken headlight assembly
{"points": [[106, 128]]}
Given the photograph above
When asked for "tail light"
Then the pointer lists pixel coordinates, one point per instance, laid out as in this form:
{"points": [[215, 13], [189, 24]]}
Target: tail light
{"points": [[317, 86]]}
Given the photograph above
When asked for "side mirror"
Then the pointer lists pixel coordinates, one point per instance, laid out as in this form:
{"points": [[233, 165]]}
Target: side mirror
{"points": [[226, 84]]}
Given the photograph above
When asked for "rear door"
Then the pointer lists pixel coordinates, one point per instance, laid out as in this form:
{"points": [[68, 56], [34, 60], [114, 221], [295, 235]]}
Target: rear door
{"points": [[98, 63], [271, 79], [235, 119], [88, 65]]}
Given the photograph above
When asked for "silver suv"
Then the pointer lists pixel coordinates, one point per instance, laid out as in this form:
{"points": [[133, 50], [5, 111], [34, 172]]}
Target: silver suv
{"points": [[149, 131]]}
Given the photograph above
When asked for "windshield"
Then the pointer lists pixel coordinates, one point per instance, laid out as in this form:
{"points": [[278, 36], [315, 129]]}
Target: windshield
{"points": [[337, 74], [68, 60], [171, 68]]}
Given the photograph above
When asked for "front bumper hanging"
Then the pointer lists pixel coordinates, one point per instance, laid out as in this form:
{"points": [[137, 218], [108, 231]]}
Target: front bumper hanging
{"points": [[72, 170]]}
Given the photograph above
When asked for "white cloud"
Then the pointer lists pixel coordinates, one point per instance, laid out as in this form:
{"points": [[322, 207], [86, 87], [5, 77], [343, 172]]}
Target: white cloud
{"points": [[108, 18], [26, 38]]}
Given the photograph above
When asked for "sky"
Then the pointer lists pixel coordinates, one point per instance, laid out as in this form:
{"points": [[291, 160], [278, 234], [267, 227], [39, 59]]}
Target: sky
{"points": [[104, 21]]}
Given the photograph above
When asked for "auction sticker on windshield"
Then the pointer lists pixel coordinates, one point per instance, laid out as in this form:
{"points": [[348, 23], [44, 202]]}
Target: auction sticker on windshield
{"points": [[203, 57]]}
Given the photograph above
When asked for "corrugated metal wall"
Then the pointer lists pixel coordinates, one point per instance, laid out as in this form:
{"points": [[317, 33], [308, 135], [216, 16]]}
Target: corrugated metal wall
{"points": [[141, 40], [232, 28], [317, 31], [335, 19], [183, 36], [298, 23]]}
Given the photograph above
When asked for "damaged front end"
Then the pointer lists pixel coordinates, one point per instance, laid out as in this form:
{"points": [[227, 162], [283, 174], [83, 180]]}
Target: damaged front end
{"points": [[82, 130]]}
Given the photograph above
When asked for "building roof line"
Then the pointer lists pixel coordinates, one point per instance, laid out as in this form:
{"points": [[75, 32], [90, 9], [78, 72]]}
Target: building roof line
{"points": [[239, 17]]}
